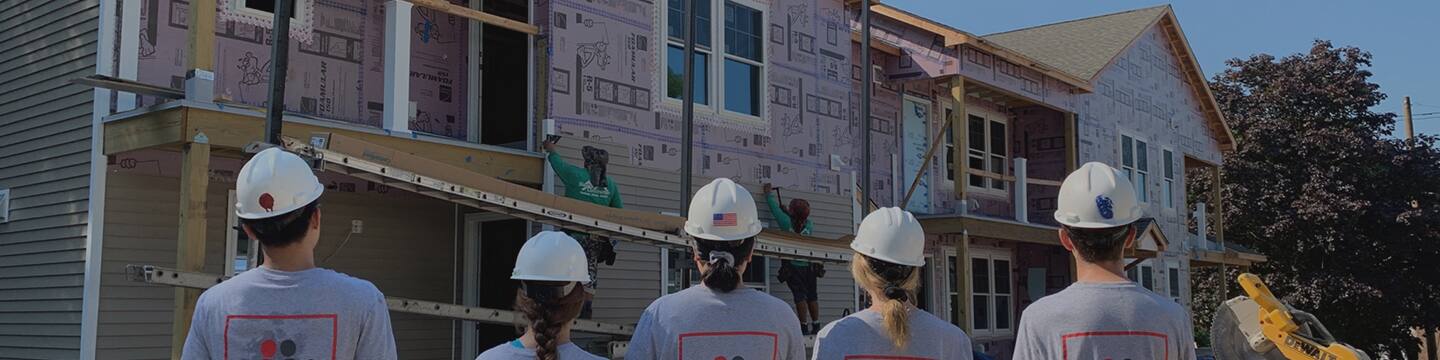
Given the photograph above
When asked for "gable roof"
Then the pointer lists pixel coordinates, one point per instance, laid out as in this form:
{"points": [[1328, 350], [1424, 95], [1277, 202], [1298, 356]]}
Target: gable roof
{"points": [[1085, 47], [1081, 47]]}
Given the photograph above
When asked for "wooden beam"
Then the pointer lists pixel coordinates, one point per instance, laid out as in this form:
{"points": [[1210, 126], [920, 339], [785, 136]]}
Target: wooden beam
{"points": [[230, 130], [477, 15], [200, 44], [131, 86], [190, 244], [876, 43], [961, 132], [160, 128], [925, 165], [995, 229], [1219, 216]]}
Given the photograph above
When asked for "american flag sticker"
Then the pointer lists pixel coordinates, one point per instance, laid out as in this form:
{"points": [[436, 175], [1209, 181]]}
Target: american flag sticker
{"points": [[725, 219]]}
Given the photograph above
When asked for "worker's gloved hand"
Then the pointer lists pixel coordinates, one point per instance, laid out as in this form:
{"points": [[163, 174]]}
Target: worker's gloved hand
{"points": [[818, 269], [607, 252]]}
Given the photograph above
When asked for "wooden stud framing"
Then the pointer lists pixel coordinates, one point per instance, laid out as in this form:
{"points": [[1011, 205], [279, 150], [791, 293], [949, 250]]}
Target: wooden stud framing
{"points": [[190, 245], [1072, 141], [961, 133], [200, 47], [477, 15]]}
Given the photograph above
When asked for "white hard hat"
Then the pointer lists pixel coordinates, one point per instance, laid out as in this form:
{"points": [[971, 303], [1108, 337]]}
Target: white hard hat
{"points": [[551, 256], [275, 182], [722, 210], [1096, 196], [892, 235]]}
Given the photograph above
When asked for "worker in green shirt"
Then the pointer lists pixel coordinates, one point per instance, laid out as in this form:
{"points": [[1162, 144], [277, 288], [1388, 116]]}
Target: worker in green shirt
{"points": [[589, 184], [800, 275]]}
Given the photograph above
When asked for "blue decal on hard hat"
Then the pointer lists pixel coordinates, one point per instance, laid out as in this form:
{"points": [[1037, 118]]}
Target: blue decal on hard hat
{"points": [[1106, 207]]}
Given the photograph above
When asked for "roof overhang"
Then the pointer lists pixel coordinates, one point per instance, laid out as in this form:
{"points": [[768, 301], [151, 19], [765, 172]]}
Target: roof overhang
{"points": [[956, 37], [1215, 119]]}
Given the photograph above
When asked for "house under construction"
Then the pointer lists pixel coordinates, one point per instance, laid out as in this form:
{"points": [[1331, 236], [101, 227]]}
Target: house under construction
{"points": [[125, 122]]}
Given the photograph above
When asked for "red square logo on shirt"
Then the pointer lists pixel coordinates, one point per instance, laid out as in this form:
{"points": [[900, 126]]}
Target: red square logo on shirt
{"points": [[276, 337], [729, 345], [1116, 345]]}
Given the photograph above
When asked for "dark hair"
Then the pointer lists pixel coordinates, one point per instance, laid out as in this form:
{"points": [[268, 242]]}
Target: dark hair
{"points": [[547, 307], [285, 229], [799, 212], [1102, 244], [723, 275]]}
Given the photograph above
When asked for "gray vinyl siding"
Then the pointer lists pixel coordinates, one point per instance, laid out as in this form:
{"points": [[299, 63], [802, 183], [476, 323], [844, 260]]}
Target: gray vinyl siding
{"points": [[634, 281], [403, 249], [44, 161]]}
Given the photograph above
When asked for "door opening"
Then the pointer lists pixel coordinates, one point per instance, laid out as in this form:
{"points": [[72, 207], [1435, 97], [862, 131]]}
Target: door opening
{"points": [[491, 243]]}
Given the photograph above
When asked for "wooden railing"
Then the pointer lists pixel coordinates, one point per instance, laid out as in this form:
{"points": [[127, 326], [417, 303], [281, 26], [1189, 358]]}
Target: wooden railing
{"points": [[1018, 184]]}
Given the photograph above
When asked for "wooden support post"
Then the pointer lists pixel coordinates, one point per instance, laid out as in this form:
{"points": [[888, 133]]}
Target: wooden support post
{"points": [[190, 245], [961, 134], [200, 47], [1072, 141], [1219, 224]]}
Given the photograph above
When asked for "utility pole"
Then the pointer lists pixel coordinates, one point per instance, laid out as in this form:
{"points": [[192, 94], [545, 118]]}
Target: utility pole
{"points": [[687, 127], [1409, 123], [865, 90], [280, 59]]}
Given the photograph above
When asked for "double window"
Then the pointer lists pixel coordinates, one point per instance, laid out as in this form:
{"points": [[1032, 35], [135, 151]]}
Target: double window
{"points": [[742, 54], [992, 302], [1135, 161], [987, 152]]}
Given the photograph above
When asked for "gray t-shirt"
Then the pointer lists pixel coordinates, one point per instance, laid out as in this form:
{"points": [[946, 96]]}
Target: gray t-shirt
{"points": [[703, 324], [862, 335], [272, 314], [515, 350], [1105, 321]]}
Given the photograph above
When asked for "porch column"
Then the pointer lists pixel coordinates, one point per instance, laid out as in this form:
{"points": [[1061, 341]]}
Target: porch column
{"points": [[396, 116], [1219, 225], [960, 132], [1072, 150], [190, 245]]}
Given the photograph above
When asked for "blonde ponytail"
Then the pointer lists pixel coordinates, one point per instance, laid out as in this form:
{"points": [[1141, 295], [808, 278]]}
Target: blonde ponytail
{"points": [[897, 284]]}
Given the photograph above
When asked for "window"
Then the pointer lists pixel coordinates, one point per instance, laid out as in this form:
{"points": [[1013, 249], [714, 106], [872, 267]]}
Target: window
{"points": [[949, 148], [952, 282], [987, 152], [1169, 172], [241, 253], [991, 300], [675, 29], [1174, 275], [1147, 277], [757, 274], [4, 205], [677, 262], [741, 59], [1135, 162]]}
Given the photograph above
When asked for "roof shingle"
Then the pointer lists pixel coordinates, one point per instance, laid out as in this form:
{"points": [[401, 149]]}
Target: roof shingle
{"points": [[1081, 47]]}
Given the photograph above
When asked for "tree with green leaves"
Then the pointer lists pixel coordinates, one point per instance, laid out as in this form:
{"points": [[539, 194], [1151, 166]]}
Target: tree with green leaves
{"points": [[1348, 215]]}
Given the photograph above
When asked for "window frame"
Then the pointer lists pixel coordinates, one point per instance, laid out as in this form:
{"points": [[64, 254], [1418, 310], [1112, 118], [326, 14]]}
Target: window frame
{"points": [[302, 12], [1173, 281], [990, 256], [1140, 165], [948, 164], [233, 235], [952, 288], [716, 55], [988, 184], [1167, 174]]}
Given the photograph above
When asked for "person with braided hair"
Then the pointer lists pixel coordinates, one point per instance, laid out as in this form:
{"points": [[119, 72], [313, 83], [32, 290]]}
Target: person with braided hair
{"points": [[889, 251], [719, 318], [552, 272]]}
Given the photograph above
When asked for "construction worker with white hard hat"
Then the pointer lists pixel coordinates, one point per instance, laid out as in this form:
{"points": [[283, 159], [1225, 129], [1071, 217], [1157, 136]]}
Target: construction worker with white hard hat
{"points": [[287, 308], [719, 318], [1103, 315], [552, 271], [889, 252]]}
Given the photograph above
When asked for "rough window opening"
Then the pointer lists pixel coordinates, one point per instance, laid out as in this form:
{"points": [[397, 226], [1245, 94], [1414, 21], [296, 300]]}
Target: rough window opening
{"points": [[504, 85]]}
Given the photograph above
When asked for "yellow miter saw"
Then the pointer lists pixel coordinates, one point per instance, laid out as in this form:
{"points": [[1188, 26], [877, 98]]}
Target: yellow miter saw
{"points": [[1260, 327]]}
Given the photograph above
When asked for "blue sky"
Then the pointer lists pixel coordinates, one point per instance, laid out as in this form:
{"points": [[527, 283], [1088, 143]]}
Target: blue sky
{"points": [[1403, 36]]}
